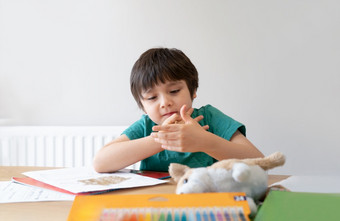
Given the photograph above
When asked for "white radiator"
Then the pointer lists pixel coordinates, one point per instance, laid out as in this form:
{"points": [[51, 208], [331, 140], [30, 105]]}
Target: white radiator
{"points": [[53, 146]]}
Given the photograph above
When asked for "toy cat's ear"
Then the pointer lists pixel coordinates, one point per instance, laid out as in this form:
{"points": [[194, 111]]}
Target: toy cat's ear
{"points": [[240, 172], [176, 170]]}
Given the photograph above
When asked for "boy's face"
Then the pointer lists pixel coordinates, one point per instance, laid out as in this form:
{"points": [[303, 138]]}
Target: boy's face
{"points": [[164, 100]]}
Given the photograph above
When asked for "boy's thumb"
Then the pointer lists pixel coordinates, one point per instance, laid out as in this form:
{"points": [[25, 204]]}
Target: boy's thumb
{"points": [[184, 114]]}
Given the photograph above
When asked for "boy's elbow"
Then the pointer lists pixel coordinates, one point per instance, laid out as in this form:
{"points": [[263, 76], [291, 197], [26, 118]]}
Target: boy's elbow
{"points": [[99, 166], [103, 167]]}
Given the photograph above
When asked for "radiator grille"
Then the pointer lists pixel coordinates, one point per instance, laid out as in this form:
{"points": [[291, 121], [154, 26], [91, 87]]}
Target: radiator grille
{"points": [[53, 146]]}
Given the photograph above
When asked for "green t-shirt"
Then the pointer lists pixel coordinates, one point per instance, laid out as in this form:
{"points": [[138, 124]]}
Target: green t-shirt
{"points": [[219, 124]]}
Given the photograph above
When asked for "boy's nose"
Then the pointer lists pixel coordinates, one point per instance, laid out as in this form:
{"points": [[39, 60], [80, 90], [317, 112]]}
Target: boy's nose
{"points": [[166, 101]]}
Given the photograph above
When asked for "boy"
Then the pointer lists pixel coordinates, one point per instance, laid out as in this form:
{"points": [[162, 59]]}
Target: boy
{"points": [[164, 83]]}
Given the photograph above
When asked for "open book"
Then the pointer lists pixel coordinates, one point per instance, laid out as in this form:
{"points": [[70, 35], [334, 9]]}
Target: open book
{"points": [[84, 180]]}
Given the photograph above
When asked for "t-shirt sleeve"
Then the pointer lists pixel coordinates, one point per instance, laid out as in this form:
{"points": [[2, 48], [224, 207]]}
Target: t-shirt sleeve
{"points": [[139, 129], [136, 130], [221, 124]]}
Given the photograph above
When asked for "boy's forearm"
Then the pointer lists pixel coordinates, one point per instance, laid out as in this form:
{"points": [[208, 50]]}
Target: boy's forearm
{"points": [[220, 148], [118, 155]]}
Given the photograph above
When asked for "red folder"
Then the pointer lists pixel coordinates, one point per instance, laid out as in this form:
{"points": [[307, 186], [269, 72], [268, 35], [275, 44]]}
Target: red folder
{"points": [[36, 183]]}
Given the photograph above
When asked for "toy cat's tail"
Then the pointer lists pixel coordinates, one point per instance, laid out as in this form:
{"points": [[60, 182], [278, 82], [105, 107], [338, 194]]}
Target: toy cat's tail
{"points": [[274, 160]]}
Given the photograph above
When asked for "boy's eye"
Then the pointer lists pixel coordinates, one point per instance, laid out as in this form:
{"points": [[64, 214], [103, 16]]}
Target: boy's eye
{"points": [[151, 98], [174, 91]]}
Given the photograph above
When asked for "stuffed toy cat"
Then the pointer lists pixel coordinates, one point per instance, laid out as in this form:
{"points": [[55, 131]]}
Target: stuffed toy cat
{"points": [[232, 175]]}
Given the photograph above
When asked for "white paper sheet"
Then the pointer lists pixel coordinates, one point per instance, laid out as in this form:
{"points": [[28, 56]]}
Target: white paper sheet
{"points": [[11, 192], [83, 179], [312, 184]]}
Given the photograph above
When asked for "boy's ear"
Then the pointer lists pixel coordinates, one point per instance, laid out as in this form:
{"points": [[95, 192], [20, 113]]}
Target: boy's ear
{"points": [[194, 95]]}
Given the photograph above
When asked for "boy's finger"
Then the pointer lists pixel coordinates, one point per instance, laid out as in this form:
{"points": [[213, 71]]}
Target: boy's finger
{"points": [[190, 111], [199, 118], [206, 127], [167, 127], [184, 114], [168, 136], [166, 142], [172, 119]]}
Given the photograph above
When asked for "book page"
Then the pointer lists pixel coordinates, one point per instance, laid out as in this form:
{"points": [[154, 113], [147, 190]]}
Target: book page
{"points": [[85, 179], [11, 192]]}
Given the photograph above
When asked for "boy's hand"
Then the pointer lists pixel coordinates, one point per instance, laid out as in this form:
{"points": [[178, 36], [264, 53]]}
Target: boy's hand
{"points": [[177, 119], [180, 133]]}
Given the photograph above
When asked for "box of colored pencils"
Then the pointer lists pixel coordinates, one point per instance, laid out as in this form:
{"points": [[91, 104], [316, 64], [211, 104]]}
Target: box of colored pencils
{"points": [[161, 207]]}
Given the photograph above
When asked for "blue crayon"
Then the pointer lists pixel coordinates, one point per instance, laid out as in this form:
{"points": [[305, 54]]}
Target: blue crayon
{"points": [[177, 217], [191, 215], [205, 216], [184, 217], [198, 216], [212, 216]]}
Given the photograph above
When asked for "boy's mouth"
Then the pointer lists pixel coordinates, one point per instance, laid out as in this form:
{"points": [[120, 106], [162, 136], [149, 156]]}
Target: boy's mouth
{"points": [[169, 114]]}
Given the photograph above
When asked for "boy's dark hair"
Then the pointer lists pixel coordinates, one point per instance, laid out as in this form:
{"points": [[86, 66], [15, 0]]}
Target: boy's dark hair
{"points": [[158, 65]]}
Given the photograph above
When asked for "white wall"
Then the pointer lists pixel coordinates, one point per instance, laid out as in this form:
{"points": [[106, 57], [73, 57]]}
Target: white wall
{"points": [[273, 65]]}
